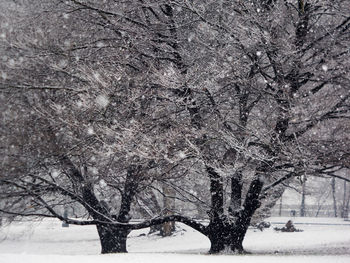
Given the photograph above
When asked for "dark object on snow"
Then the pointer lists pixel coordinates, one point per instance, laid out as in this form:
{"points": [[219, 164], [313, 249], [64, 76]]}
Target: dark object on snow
{"points": [[292, 213], [263, 225], [289, 227], [65, 224], [65, 215]]}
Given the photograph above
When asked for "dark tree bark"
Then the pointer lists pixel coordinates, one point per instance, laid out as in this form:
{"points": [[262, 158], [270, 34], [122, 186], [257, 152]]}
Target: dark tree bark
{"points": [[169, 206], [334, 197], [132, 180], [345, 204], [303, 194], [227, 233], [236, 193], [251, 204], [112, 239], [219, 227]]}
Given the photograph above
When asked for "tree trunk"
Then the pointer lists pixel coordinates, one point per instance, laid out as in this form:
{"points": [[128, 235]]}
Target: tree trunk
{"points": [[112, 239], [237, 237], [343, 207], [236, 193], [346, 210], [227, 235], [303, 194], [216, 192], [280, 208], [168, 209], [226, 238], [346, 202], [219, 238], [334, 197]]}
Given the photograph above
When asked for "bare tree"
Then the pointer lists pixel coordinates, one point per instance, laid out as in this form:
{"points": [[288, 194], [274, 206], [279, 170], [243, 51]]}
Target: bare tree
{"points": [[120, 94]]}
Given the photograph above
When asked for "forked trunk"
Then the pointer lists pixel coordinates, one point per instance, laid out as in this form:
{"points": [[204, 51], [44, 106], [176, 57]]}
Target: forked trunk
{"points": [[227, 240], [226, 234], [112, 239]]}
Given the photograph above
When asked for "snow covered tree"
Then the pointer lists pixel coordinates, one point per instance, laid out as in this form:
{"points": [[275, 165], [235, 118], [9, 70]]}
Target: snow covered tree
{"points": [[116, 95], [80, 131]]}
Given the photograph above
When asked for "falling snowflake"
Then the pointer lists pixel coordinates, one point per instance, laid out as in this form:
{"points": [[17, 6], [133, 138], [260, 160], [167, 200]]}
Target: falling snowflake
{"points": [[97, 76], [258, 53], [62, 63], [4, 75], [100, 44], [11, 62], [90, 131], [55, 173], [191, 37], [102, 101], [94, 170], [102, 183], [58, 108], [67, 43], [325, 68], [182, 155], [79, 104]]}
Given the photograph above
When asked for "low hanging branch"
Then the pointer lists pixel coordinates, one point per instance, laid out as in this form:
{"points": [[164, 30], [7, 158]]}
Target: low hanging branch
{"points": [[279, 181], [148, 223]]}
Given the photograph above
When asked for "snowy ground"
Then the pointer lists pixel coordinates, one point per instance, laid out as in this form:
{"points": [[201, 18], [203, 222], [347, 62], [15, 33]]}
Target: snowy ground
{"points": [[323, 240]]}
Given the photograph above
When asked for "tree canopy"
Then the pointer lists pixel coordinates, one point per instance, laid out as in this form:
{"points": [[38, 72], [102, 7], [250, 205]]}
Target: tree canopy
{"points": [[223, 101]]}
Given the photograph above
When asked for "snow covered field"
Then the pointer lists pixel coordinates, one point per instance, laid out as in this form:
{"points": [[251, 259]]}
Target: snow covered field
{"points": [[323, 240]]}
